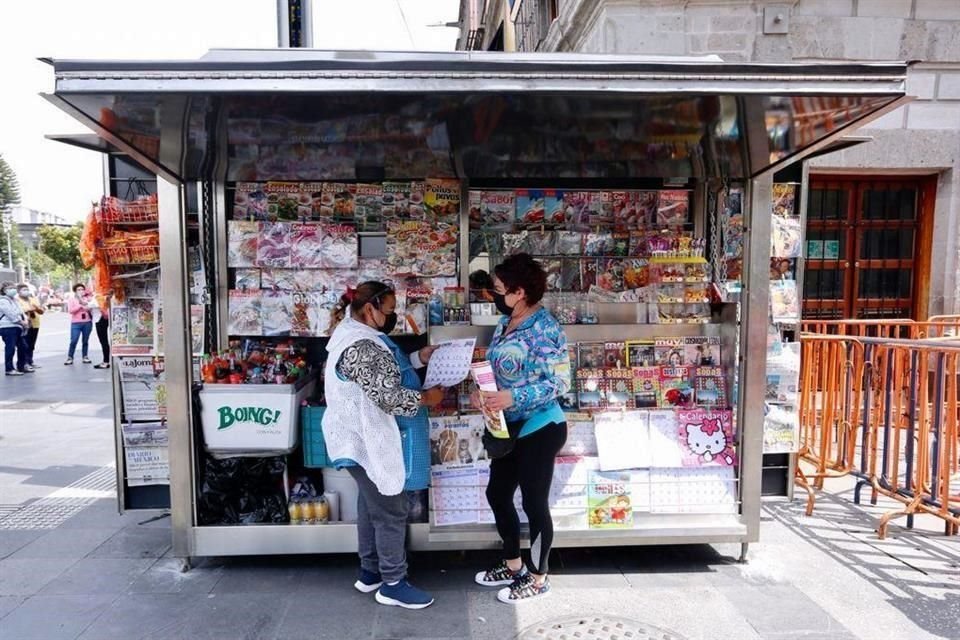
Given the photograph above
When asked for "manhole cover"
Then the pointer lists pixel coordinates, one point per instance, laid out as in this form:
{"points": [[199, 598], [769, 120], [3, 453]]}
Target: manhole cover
{"points": [[26, 405], [598, 627]]}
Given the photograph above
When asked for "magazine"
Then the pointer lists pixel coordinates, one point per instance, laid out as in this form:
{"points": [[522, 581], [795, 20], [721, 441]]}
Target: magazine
{"points": [[553, 207], [709, 387], [244, 313], [395, 200], [515, 242], [669, 351], [276, 311], [598, 243], [785, 237], [673, 209], [306, 246], [676, 387], [608, 500], [242, 240], [531, 207], [482, 374], [591, 355], [591, 389], [610, 275], [646, 387], [618, 386], [442, 200], [570, 275], [310, 313], [640, 353], [368, 207], [784, 303], [274, 244], [247, 278], [249, 201], [339, 247], [417, 248], [569, 243], [497, 210], [701, 351], [784, 199], [614, 355]]}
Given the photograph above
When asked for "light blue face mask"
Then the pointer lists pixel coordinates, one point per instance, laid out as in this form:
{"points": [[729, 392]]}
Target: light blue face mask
{"points": [[10, 293]]}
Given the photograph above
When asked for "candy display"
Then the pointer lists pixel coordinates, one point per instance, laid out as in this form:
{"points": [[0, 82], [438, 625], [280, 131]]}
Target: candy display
{"points": [[254, 362]]}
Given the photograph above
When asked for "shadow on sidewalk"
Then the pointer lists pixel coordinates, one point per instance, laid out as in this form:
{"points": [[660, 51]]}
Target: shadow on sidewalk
{"points": [[918, 572]]}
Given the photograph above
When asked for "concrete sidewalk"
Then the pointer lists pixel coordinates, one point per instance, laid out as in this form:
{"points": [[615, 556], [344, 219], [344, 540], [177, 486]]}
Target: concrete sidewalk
{"points": [[70, 567]]}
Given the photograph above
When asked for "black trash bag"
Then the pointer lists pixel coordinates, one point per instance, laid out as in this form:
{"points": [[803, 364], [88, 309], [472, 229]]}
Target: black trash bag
{"points": [[242, 491]]}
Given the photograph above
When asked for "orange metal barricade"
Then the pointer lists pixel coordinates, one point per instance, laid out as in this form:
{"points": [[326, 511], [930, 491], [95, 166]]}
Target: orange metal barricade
{"points": [[884, 410]]}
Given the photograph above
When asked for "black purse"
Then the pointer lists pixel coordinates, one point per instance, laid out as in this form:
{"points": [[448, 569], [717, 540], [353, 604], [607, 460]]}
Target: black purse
{"points": [[501, 447]]}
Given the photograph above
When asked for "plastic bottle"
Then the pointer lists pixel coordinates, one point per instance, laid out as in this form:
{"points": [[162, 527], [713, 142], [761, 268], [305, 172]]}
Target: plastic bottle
{"points": [[295, 511], [321, 510]]}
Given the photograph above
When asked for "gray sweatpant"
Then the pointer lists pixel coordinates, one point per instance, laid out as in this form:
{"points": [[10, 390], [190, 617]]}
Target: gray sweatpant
{"points": [[381, 529]]}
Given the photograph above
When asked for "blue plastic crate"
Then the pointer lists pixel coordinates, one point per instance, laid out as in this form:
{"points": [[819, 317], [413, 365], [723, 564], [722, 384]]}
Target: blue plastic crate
{"points": [[314, 447]]}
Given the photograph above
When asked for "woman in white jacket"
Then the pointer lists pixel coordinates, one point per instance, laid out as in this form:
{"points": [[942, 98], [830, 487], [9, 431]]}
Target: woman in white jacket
{"points": [[364, 384], [13, 329]]}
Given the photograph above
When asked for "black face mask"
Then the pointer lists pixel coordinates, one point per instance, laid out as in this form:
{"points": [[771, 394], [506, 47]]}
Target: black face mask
{"points": [[390, 323], [500, 300]]}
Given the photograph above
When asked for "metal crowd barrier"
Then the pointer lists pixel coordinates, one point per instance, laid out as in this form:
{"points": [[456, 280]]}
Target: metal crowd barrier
{"points": [[885, 410]]}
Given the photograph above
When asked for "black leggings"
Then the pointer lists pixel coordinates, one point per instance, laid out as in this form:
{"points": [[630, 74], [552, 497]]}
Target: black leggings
{"points": [[530, 467], [103, 335]]}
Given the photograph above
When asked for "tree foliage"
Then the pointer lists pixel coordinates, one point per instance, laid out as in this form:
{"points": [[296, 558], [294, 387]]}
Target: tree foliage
{"points": [[62, 245], [9, 197]]}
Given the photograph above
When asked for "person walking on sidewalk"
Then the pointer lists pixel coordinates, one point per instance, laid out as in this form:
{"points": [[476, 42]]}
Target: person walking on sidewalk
{"points": [[103, 329], [531, 364], [13, 328], [33, 309], [81, 322], [367, 389]]}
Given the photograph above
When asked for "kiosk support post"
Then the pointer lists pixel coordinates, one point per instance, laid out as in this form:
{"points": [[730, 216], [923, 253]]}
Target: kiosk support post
{"points": [[177, 355], [753, 351]]}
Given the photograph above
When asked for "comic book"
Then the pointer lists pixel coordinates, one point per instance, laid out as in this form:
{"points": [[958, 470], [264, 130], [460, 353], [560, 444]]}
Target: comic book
{"points": [[588, 274], [676, 387], [570, 275], [610, 275], [636, 273], [515, 242], [638, 244], [621, 244], [554, 269], [542, 242], [701, 351], [646, 207], [608, 500], [569, 243], [646, 387], [598, 243]]}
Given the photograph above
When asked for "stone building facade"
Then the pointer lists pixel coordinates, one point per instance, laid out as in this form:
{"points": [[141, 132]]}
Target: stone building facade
{"points": [[914, 150]]}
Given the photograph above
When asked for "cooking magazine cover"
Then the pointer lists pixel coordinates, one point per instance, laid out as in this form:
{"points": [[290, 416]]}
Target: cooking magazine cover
{"points": [[309, 316], [283, 201], [242, 240], [307, 246], [367, 207], [442, 200], [340, 247], [417, 248], [276, 311], [395, 200], [249, 201], [274, 245], [673, 209], [247, 278], [278, 279], [244, 313], [498, 210]]}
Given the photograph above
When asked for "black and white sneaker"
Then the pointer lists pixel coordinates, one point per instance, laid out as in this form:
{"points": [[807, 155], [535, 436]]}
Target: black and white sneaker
{"points": [[524, 588], [499, 576], [367, 581]]}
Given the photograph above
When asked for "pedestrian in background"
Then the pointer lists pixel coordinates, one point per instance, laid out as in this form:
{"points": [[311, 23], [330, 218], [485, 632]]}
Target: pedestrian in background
{"points": [[13, 327], [103, 329], [33, 309], [81, 322]]}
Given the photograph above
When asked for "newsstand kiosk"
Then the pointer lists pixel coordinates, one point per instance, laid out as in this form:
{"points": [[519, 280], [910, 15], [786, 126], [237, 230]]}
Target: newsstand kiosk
{"points": [[643, 185]]}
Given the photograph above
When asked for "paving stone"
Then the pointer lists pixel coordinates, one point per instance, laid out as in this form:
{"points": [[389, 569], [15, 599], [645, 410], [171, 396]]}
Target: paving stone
{"points": [[136, 615], [98, 576], [228, 616], [13, 540], [134, 542], [259, 578], [25, 577], [342, 614], [53, 617], [165, 576], [447, 619], [9, 603], [65, 543], [772, 608]]}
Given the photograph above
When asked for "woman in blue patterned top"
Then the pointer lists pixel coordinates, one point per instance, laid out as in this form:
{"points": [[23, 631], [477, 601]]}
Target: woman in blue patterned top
{"points": [[532, 367]]}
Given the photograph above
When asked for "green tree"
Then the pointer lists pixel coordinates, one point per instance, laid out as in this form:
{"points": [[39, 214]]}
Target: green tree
{"points": [[62, 245], [9, 197]]}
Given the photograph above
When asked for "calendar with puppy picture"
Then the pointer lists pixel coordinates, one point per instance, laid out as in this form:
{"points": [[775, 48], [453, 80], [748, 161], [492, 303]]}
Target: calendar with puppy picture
{"points": [[457, 440]]}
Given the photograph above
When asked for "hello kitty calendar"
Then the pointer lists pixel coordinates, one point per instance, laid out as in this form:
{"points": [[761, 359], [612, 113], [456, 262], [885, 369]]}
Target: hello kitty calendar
{"points": [[706, 438]]}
